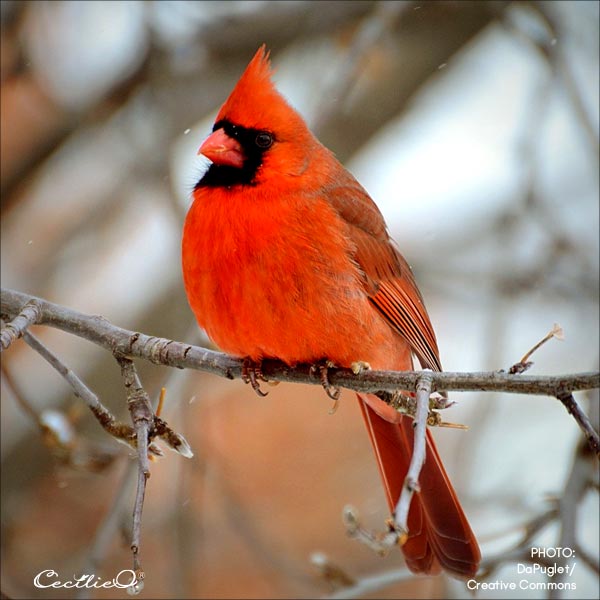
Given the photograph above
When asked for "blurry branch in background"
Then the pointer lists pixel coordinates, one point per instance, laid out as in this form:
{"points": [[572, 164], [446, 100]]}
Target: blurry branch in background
{"points": [[108, 527], [563, 510], [551, 50], [345, 586], [58, 433], [382, 21], [394, 51], [40, 122], [176, 354]]}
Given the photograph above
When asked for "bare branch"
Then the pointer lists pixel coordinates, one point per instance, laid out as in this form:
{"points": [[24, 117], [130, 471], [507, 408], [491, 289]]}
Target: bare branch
{"points": [[185, 356], [582, 420], [143, 417], [372, 28], [14, 330], [411, 481], [563, 511], [176, 354], [120, 431]]}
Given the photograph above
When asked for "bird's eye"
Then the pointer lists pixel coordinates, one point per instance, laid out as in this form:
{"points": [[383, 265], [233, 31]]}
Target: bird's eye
{"points": [[264, 140]]}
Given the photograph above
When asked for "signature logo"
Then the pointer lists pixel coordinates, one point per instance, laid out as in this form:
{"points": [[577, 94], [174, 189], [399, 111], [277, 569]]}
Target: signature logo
{"points": [[50, 579]]}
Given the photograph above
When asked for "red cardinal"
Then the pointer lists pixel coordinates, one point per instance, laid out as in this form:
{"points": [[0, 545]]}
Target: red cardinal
{"points": [[286, 256]]}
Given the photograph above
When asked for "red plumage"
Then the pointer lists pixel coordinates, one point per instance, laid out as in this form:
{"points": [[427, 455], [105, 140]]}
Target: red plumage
{"points": [[286, 256]]}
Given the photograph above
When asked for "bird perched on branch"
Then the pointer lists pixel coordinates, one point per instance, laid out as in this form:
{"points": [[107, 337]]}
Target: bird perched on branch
{"points": [[286, 256]]}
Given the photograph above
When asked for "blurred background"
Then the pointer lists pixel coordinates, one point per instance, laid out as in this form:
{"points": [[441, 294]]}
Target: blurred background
{"points": [[473, 125]]}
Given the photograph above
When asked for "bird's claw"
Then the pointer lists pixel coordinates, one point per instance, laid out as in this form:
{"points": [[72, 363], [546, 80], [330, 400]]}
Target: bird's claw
{"points": [[251, 373], [360, 366], [331, 390]]}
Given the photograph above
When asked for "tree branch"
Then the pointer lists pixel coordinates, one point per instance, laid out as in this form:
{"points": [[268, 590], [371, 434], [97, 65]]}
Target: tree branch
{"points": [[142, 417], [411, 481], [15, 329], [120, 431], [177, 354], [170, 353], [581, 418]]}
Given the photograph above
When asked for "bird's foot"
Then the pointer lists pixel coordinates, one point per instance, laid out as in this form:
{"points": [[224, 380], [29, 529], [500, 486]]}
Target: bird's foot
{"points": [[252, 373], [331, 390], [359, 366]]}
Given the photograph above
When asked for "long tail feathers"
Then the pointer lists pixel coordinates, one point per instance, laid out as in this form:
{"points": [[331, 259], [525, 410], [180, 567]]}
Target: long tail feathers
{"points": [[439, 535]]}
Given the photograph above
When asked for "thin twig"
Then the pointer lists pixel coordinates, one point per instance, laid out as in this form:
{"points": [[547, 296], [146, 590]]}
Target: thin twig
{"points": [[380, 542], [524, 363], [12, 331], [142, 417], [582, 420], [120, 431], [398, 532], [411, 481]]}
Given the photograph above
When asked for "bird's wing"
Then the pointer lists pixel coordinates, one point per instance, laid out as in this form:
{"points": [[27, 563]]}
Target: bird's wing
{"points": [[387, 277]]}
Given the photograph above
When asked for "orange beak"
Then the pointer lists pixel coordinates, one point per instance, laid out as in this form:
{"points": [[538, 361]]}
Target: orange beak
{"points": [[223, 150]]}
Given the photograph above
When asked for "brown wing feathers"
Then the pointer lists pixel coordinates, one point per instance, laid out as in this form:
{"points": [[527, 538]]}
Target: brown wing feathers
{"points": [[387, 276]]}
